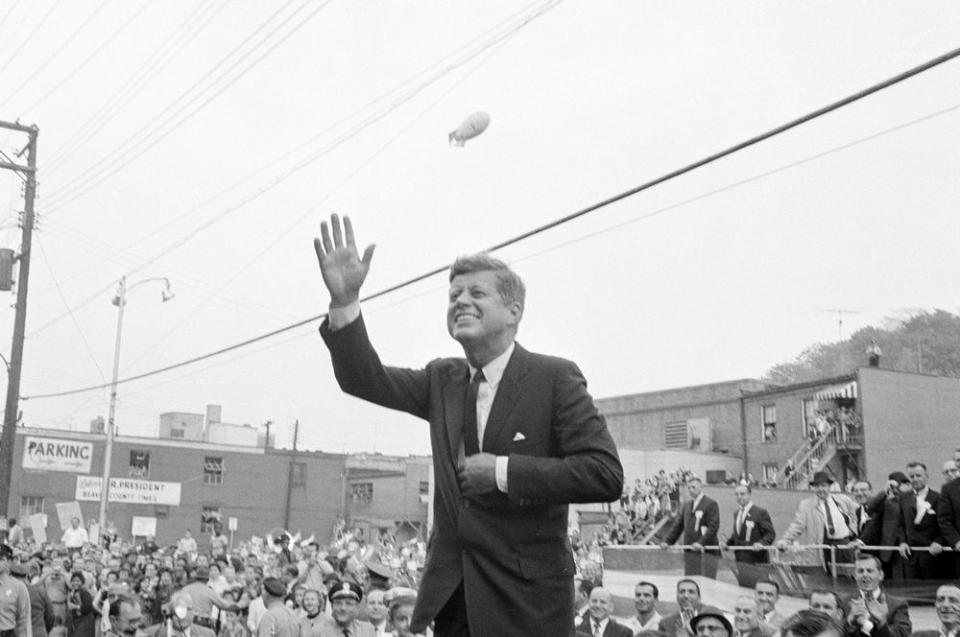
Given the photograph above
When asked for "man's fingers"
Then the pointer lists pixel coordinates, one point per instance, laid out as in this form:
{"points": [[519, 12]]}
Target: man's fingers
{"points": [[348, 230], [337, 231], [325, 235], [318, 248]]}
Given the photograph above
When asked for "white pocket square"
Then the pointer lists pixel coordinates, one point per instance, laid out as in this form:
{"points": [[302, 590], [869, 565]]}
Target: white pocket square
{"points": [[518, 437]]}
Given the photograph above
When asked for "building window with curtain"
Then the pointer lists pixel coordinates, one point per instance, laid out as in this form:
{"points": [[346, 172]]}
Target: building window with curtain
{"points": [[768, 418]]}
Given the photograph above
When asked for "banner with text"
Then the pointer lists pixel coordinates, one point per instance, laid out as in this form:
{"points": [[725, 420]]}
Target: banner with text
{"points": [[129, 491], [57, 454]]}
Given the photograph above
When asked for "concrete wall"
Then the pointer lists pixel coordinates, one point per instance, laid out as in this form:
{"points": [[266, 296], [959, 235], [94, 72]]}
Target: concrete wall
{"points": [[190, 424], [908, 417]]}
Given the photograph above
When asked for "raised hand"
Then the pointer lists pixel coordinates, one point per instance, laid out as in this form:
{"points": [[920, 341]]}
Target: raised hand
{"points": [[341, 266]]}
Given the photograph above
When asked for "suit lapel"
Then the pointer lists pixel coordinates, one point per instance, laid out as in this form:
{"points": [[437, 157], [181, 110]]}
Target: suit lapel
{"points": [[508, 393], [454, 394]]}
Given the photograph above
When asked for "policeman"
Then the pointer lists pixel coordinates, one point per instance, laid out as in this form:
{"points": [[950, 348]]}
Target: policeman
{"points": [[278, 621], [14, 600]]}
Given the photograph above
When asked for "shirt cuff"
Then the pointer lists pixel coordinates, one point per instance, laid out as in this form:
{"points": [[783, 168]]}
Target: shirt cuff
{"points": [[341, 317], [501, 473]]}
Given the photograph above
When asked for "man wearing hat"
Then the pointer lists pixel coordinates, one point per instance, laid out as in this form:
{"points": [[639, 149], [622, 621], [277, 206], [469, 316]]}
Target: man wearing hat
{"points": [[15, 603], [279, 620], [824, 518], [711, 624], [205, 599], [345, 603], [41, 612], [884, 511]]}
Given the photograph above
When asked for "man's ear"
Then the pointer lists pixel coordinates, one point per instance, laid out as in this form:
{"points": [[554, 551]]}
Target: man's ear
{"points": [[516, 312]]}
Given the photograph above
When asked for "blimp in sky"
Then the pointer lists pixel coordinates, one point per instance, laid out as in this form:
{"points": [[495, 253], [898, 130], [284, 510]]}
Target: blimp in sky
{"points": [[470, 128]]}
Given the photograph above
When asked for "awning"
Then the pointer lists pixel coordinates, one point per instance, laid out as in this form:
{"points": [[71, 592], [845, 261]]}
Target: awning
{"points": [[846, 390]]}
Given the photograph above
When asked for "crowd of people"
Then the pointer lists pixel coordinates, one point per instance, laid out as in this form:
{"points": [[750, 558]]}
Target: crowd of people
{"points": [[202, 587]]}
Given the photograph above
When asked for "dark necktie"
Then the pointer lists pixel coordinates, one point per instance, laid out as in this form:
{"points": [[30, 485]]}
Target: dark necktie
{"points": [[831, 530], [346, 631], [596, 629], [471, 441]]}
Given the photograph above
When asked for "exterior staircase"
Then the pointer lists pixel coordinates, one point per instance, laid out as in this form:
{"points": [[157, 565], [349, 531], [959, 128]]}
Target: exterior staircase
{"points": [[811, 458]]}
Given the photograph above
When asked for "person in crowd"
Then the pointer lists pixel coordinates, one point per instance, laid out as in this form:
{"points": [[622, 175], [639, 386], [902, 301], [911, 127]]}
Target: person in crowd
{"points": [[871, 612], [697, 524], [285, 556], [187, 544], [747, 618], [581, 601], [15, 603], [125, 618], [950, 471], [947, 605], [752, 527], [507, 491], [55, 583], [75, 537], [711, 624], [257, 608], [599, 622], [812, 623], [862, 491], [41, 614], [884, 511], [767, 594], [218, 541], [919, 527], [948, 517], [824, 518], [314, 620], [83, 619], [826, 602], [401, 601], [14, 532], [278, 621], [645, 595], [179, 619], [312, 569], [345, 601], [375, 610], [688, 599], [205, 599]]}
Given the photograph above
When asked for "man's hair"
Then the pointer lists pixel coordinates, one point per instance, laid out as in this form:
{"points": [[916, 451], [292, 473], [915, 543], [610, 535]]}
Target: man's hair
{"points": [[916, 463], [810, 623], [585, 586], [689, 581], [866, 557], [509, 284], [694, 479], [121, 599], [866, 482], [824, 591], [770, 582], [656, 591], [292, 569], [746, 486]]}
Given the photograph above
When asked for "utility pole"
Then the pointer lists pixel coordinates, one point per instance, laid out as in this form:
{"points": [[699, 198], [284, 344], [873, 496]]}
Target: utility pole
{"points": [[10, 415], [293, 462]]}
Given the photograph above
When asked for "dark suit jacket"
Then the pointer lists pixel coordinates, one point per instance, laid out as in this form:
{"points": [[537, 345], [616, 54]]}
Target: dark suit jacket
{"points": [[885, 515], [757, 527], [510, 552], [898, 619], [687, 525], [928, 531], [673, 624], [613, 629], [41, 613], [948, 513]]}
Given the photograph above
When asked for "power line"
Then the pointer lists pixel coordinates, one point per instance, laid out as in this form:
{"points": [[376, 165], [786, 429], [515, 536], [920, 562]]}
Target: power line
{"points": [[29, 37], [553, 224]]}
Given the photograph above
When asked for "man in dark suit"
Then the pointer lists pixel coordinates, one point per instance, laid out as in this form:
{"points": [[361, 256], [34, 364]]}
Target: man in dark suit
{"points": [[698, 523], [919, 528], [598, 622], [947, 605], [751, 527], [884, 512], [515, 439], [41, 613], [870, 612], [948, 517], [691, 605]]}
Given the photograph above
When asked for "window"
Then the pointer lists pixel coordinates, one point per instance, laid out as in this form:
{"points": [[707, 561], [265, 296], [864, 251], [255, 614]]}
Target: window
{"points": [[424, 491], [209, 516], [139, 464], [675, 435], [809, 416], [212, 470], [768, 415], [29, 505], [361, 492], [298, 474], [176, 433]]}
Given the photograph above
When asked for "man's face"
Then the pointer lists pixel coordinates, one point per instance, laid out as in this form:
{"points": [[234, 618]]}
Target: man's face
{"points": [[644, 599], [822, 489], [687, 595], [947, 604], [745, 615], [601, 604], [75, 522], [743, 495], [918, 477], [130, 620], [711, 627], [476, 313], [4, 565], [376, 609], [345, 610], [867, 575], [950, 470], [766, 596], [402, 616], [311, 602], [182, 612], [694, 487], [825, 603], [861, 492]]}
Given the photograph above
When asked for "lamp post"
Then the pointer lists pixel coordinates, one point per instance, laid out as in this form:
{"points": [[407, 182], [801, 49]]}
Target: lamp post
{"points": [[120, 300]]}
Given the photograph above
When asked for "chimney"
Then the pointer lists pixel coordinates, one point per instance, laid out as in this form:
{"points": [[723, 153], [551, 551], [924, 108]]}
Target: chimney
{"points": [[213, 414]]}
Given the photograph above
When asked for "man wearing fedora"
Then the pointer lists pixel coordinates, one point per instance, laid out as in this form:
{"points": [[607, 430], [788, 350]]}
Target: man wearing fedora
{"points": [[824, 518]]}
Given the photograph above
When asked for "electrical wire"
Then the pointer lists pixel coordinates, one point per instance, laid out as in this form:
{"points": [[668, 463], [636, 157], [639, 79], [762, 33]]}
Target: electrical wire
{"points": [[562, 220], [29, 37]]}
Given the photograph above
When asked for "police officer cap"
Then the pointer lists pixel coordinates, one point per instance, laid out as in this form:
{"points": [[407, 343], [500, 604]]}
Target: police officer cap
{"points": [[275, 587], [378, 570], [6, 552], [718, 616], [346, 590]]}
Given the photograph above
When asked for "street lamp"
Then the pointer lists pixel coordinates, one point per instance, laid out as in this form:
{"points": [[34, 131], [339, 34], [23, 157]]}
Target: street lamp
{"points": [[120, 300]]}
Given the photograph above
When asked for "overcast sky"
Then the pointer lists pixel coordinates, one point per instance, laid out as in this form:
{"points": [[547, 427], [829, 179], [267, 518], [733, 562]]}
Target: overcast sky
{"points": [[204, 141]]}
